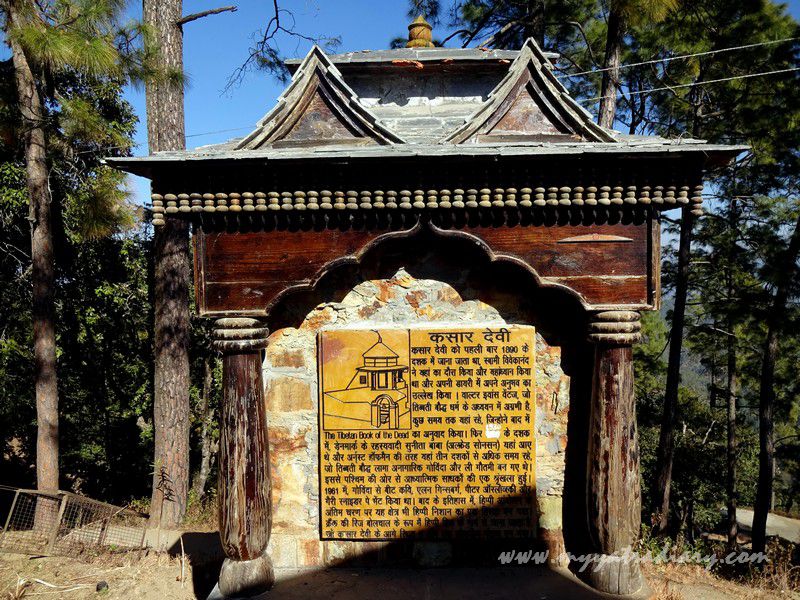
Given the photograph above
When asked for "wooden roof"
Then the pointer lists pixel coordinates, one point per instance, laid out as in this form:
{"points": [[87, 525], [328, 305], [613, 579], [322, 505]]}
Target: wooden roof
{"points": [[442, 114], [318, 108], [530, 104]]}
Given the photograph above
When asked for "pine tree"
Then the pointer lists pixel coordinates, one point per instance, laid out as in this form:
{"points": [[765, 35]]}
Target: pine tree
{"points": [[48, 39], [622, 14], [165, 131]]}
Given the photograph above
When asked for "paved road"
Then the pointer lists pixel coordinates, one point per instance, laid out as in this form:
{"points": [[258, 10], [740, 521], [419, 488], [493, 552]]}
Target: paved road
{"points": [[784, 527]]}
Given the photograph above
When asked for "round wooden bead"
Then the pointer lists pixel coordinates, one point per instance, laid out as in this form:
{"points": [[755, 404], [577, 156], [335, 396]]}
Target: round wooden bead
{"points": [[326, 197]]}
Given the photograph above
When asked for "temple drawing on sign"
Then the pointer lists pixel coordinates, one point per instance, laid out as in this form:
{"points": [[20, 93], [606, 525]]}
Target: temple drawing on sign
{"points": [[376, 397]]}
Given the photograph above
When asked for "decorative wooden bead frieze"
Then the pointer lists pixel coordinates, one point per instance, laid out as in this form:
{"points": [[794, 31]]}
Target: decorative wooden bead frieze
{"points": [[683, 194], [616, 194], [564, 196], [591, 196], [171, 201], [526, 197], [260, 201], [552, 196], [604, 199], [238, 335], [405, 200], [429, 199], [484, 197], [510, 197], [351, 200], [158, 209], [697, 200], [615, 327], [658, 195], [418, 199], [669, 195], [326, 199], [577, 196], [338, 201]]}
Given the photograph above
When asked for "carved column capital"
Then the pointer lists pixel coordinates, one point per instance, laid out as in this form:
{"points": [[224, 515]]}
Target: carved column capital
{"points": [[237, 335], [615, 327]]}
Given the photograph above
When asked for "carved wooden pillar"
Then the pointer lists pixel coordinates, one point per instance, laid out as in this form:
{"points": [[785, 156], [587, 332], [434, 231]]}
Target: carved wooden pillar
{"points": [[613, 487], [245, 505]]}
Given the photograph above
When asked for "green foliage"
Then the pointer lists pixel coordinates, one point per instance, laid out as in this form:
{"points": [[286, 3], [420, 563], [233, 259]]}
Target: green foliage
{"points": [[100, 207], [102, 259], [84, 36]]}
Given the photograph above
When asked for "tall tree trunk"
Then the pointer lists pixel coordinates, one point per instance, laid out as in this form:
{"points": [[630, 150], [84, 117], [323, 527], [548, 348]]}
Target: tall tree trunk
{"points": [[666, 442], [608, 88], [165, 131], [732, 387], [766, 456], [730, 480], [43, 264], [207, 450], [534, 25]]}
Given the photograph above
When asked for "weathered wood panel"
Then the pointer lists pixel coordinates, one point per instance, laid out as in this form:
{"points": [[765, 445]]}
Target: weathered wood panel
{"points": [[245, 517], [607, 265]]}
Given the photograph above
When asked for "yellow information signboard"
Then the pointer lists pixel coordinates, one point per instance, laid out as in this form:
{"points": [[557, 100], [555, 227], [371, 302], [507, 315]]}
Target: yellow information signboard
{"points": [[427, 433]]}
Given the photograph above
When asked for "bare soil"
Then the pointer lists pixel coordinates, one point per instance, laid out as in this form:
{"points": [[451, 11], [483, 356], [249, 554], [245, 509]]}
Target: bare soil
{"points": [[160, 576]]}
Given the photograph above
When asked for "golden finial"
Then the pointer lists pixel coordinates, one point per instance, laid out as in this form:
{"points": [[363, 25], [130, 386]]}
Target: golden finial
{"points": [[419, 34]]}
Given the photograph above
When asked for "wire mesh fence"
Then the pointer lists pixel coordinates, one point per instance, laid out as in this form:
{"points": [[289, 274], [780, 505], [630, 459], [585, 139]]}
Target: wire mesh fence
{"points": [[62, 523]]}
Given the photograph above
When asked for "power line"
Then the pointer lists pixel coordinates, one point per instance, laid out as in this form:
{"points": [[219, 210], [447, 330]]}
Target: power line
{"points": [[191, 135], [685, 85], [680, 57], [218, 131]]}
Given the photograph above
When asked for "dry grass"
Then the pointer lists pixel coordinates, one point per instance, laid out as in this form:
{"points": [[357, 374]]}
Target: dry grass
{"points": [[201, 515], [148, 576], [693, 582], [781, 574], [664, 589]]}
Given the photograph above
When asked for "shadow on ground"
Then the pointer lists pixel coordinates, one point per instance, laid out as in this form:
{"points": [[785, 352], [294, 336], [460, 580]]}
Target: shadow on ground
{"points": [[352, 580]]}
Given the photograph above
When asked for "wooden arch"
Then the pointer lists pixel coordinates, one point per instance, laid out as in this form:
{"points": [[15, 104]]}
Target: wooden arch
{"points": [[244, 275]]}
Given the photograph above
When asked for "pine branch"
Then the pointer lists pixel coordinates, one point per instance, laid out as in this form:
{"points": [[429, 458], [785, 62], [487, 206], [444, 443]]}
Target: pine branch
{"points": [[205, 13]]}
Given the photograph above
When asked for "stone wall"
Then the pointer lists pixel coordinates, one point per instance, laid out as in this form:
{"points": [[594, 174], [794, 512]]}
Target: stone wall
{"points": [[290, 371]]}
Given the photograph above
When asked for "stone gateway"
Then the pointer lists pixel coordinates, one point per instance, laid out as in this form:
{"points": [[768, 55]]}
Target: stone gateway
{"points": [[376, 253]]}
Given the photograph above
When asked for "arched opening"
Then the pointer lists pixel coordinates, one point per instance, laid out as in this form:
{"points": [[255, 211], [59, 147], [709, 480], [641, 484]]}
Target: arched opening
{"points": [[360, 292], [384, 412]]}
